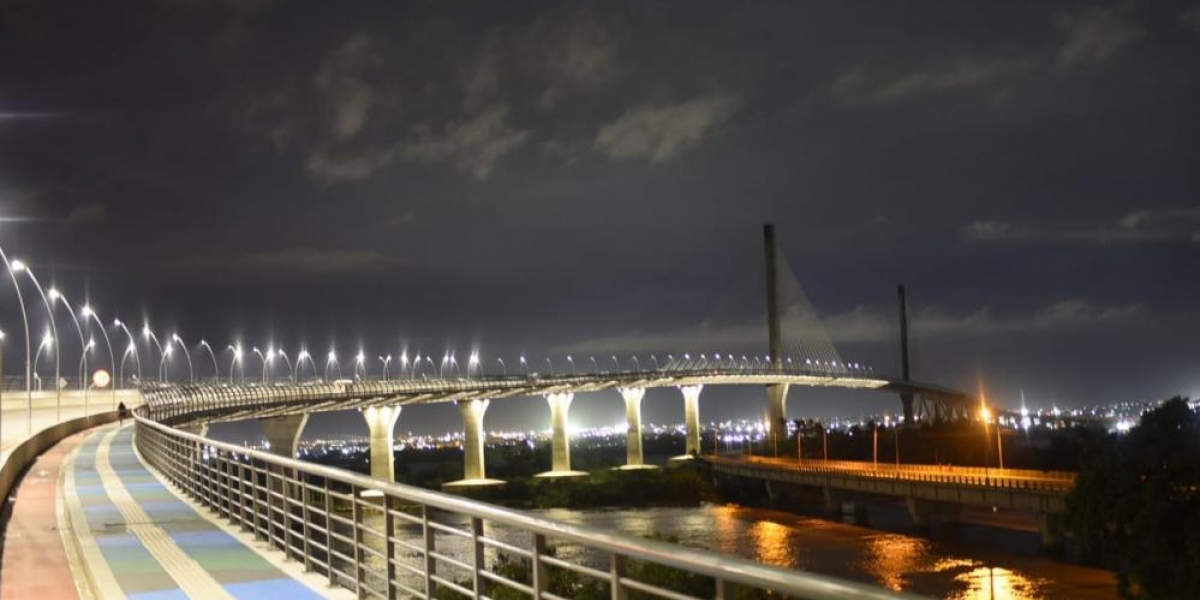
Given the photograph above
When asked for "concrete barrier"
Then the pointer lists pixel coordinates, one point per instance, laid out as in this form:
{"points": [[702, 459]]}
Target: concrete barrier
{"points": [[27, 452]]}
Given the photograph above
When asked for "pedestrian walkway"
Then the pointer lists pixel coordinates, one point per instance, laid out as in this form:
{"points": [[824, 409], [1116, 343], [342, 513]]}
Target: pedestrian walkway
{"points": [[139, 541], [35, 560]]}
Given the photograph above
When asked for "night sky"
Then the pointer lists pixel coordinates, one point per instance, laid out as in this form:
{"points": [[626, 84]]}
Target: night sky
{"points": [[555, 178]]}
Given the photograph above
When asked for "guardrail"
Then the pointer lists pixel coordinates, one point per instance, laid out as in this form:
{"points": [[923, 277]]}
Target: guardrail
{"points": [[1054, 481], [386, 540]]}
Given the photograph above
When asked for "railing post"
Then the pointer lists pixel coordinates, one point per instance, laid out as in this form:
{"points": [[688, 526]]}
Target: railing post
{"points": [[480, 561], [430, 547], [720, 593], [329, 535], [305, 520], [616, 571], [389, 547], [541, 578], [356, 514]]}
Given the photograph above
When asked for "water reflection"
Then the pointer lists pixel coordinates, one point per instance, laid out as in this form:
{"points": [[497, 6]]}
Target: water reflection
{"points": [[892, 558], [897, 562]]}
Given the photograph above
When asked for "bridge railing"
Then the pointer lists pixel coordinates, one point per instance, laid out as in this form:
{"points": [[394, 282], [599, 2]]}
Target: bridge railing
{"points": [[386, 540], [1055, 481]]}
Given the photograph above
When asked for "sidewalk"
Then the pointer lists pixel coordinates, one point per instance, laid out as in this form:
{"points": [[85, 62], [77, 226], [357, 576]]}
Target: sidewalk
{"points": [[139, 541]]}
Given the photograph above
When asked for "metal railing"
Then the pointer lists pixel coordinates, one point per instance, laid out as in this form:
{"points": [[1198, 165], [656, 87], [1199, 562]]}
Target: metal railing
{"points": [[386, 540]]}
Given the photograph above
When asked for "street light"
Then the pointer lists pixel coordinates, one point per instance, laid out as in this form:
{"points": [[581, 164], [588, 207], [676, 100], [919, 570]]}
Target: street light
{"points": [[149, 335], [136, 359], [213, 356], [83, 369], [332, 360], [162, 363], [237, 359], [300, 358], [385, 362], [54, 297], [287, 362], [404, 363], [130, 349], [191, 372], [19, 266], [503, 367], [88, 313], [264, 363], [47, 342], [360, 361], [28, 344]]}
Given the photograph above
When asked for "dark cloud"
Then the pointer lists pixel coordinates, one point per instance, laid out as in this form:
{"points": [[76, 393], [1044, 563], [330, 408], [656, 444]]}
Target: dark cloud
{"points": [[658, 134]]}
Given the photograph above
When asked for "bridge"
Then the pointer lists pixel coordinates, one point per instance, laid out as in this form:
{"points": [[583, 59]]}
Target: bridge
{"points": [[381, 539]]}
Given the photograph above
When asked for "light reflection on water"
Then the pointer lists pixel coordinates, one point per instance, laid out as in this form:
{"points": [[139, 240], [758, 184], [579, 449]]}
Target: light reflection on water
{"points": [[895, 561]]}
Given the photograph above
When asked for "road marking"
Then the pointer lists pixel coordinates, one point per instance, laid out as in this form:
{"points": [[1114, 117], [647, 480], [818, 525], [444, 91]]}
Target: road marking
{"points": [[187, 573]]}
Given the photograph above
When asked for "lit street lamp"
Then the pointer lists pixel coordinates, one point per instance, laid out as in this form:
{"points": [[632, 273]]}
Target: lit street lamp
{"points": [[237, 359], [288, 363], [149, 335], [360, 360], [28, 344], [83, 369], [55, 297], [191, 372], [264, 363], [88, 313], [213, 356], [19, 266], [332, 360], [162, 364], [136, 359], [385, 362]]}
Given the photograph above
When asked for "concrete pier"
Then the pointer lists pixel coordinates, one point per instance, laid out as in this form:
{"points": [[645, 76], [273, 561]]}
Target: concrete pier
{"points": [[560, 440], [634, 455], [474, 465], [691, 420], [381, 420], [283, 433]]}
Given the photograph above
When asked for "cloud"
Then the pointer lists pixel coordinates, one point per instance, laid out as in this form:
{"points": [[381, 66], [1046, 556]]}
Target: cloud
{"points": [[87, 214], [582, 56], [1139, 226], [659, 134], [316, 261], [473, 144], [341, 80], [867, 325], [342, 168], [862, 86], [1190, 18], [1095, 34]]}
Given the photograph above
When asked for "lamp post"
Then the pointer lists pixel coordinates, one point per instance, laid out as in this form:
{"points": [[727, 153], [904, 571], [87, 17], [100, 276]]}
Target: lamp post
{"points": [[55, 297], [216, 369], [985, 415], [191, 372], [237, 359], [264, 363], [300, 358], [525, 365], [149, 335], [503, 367], [288, 363], [83, 369], [28, 344], [473, 362], [88, 313], [47, 342], [162, 363], [385, 362], [137, 360], [360, 361], [130, 349], [19, 266], [404, 364], [332, 360]]}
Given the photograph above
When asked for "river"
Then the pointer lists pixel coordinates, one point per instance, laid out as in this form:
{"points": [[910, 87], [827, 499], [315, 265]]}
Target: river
{"points": [[984, 568]]}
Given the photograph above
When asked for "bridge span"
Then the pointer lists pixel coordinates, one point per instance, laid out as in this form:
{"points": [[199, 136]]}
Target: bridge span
{"points": [[933, 494], [283, 409]]}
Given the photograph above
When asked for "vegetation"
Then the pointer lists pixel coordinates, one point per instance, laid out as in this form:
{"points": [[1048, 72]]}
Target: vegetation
{"points": [[1136, 504], [676, 486]]}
